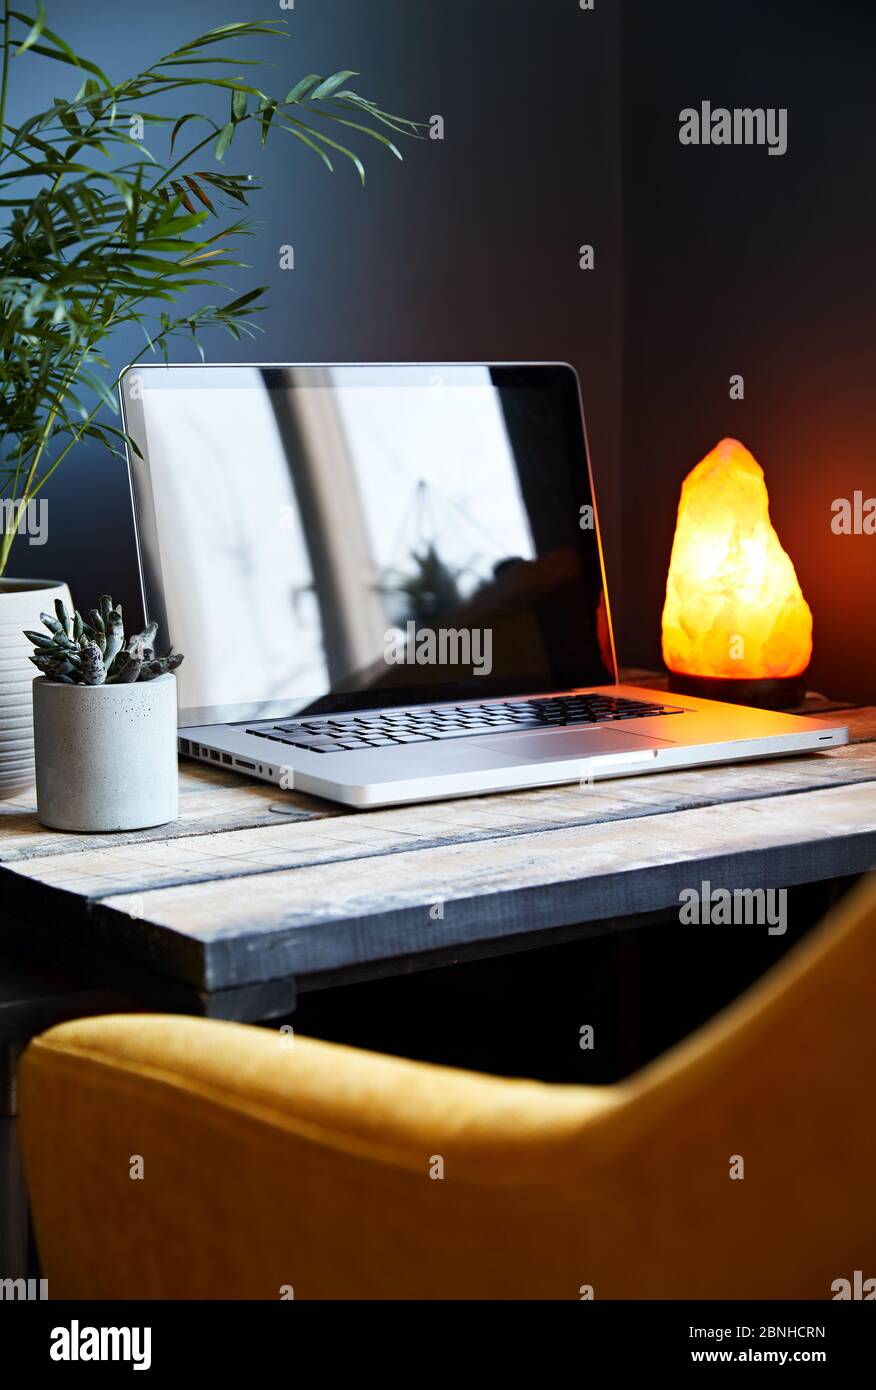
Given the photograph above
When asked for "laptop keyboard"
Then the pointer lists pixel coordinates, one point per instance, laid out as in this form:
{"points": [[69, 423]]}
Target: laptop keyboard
{"points": [[347, 732]]}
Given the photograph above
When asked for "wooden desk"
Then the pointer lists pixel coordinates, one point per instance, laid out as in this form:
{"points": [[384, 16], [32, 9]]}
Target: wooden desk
{"points": [[254, 894]]}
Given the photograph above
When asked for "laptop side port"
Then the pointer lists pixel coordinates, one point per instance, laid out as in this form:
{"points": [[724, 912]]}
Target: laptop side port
{"points": [[239, 762], [185, 747]]}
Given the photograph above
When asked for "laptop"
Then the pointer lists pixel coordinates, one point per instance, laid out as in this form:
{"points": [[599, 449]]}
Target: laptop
{"points": [[388, 584]]}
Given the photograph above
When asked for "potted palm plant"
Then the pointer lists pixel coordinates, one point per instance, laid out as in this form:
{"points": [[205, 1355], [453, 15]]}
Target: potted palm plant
{"points": [[107, 211]]}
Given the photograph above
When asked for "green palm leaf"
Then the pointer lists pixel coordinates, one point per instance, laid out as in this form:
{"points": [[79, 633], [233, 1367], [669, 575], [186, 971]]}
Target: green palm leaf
{"points": [[99, 227]]}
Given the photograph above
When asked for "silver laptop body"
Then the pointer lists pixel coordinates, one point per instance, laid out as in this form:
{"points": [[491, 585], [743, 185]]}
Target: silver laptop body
{"points": [[388, 584]]}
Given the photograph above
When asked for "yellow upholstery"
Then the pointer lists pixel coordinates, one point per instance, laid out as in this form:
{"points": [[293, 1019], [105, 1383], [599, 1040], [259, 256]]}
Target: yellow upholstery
{"points": [[267, 1165]]}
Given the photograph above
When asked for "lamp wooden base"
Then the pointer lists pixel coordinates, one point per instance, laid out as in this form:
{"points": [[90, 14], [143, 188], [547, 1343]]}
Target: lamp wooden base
{"points": [[785, 693]]}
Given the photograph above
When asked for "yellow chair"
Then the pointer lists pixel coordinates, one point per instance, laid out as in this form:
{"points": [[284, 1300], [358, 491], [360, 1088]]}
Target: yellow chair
{"points": [[176, 1158]]}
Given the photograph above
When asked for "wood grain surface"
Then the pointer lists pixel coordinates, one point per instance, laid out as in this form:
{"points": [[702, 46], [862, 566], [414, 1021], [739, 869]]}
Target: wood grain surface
{"points": [[251, 887]]}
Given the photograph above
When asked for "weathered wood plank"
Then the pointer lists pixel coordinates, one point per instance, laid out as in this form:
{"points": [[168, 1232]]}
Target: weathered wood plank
{"points": [[272, 998], [214, 801], [311, 918], [135, 868], [211, 800]]}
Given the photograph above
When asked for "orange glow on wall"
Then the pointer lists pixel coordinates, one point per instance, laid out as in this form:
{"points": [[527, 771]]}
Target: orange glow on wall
{"points": [[734, 607]]}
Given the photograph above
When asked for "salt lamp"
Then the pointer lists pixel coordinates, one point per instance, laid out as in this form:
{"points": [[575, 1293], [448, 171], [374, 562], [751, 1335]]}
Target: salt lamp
{"points": [[734, 611]]}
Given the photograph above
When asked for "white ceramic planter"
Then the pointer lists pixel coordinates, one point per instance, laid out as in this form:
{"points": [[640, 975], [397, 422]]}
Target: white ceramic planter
{"points": [[106, 755], [21, 602]]}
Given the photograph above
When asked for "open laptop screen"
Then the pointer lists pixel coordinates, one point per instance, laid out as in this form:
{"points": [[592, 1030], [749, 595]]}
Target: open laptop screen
{"points": [[326, 538]]}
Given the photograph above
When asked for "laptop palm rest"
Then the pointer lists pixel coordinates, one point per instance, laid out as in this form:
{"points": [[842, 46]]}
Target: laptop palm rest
{"points": [[556, 744]]}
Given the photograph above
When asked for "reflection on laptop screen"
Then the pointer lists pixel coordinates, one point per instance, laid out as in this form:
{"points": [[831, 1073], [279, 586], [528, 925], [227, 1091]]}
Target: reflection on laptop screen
{"points": [[337, 537]]}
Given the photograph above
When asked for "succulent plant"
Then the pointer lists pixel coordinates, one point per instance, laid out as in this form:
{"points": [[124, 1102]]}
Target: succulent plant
{"points": [[76, 651]]}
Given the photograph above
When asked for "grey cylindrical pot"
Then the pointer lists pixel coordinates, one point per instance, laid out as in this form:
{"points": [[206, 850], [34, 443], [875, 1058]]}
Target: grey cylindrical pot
{"points": [[106, 755]]}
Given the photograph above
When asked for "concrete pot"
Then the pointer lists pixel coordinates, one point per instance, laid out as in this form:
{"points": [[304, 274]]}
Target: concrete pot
{"points": [[21, 602], [106, 755]]}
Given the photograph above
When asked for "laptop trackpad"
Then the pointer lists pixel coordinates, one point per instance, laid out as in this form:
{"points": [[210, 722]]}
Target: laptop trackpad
{"points": [[555, 744]]}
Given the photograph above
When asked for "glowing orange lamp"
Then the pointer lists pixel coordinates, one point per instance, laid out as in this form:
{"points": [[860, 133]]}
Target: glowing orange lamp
{"points": [[735, 624]]}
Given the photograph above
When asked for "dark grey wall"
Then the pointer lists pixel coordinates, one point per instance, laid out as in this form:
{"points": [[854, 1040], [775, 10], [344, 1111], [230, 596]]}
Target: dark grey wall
{"points": [[735, 261], [467, 251], [739, 262]]}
